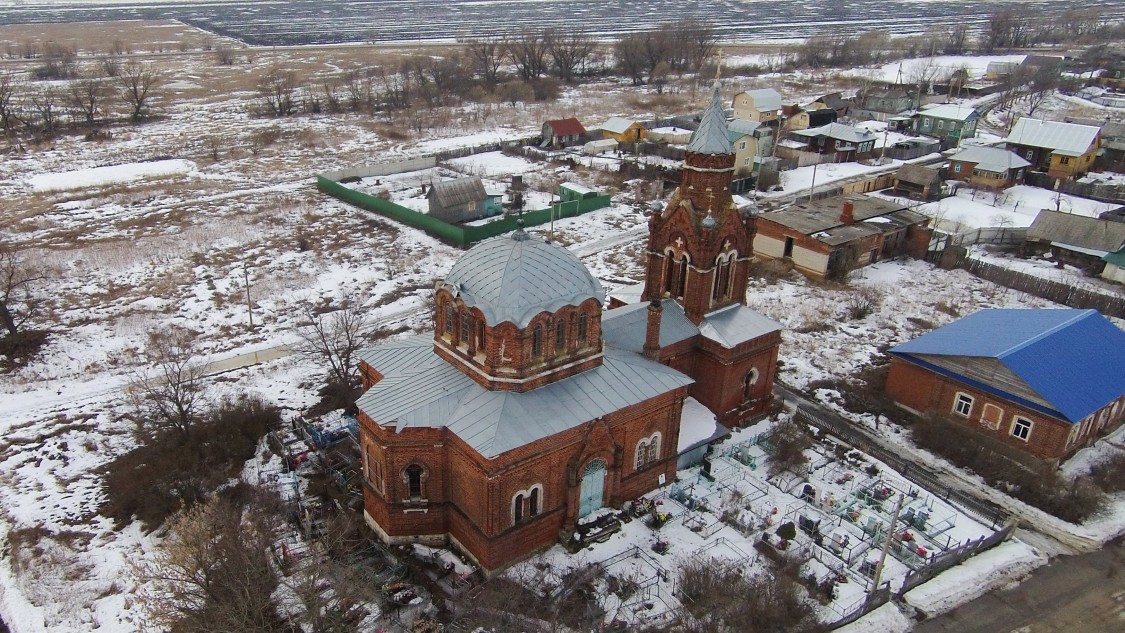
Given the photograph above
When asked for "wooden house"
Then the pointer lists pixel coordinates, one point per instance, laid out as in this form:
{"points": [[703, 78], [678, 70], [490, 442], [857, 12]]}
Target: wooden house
{"points": [[950, 122], [987, 167], [846, 142], [623, 130], [1063, 150], [830, 237], [562, 133], [459, 200], [1045, 382], [750, 140], [762, 105], [1077, 240], [918, 182]]}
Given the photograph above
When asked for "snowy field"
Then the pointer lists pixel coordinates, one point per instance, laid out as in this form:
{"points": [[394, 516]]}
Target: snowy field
{"points": [[1016, 206], [167, 223]]}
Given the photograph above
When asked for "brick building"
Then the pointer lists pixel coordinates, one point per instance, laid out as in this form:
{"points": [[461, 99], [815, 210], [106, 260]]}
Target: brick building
{"points": [[529, 408], [1043, 381]]}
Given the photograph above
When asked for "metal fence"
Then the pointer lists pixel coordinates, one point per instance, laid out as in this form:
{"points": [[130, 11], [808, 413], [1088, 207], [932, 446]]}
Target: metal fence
{"points": [[953, 557], [983, 235]]}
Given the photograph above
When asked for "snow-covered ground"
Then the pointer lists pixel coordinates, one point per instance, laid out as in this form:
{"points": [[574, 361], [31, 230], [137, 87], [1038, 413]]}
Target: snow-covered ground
{"points": [[1017, 206]]}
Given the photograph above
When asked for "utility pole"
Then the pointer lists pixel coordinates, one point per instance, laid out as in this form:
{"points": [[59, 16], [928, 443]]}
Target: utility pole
{"points": [[886, 548], [812, 185], [249, 304]]}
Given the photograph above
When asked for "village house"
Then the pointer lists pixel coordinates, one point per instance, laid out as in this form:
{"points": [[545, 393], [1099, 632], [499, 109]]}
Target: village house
{"points": [[952, 123], [827, 238], [461, 200], [623, 130], [881, 103], [562, 133], [834, 101], [1063, 150], [1046, 382], [762, 105], [987, 167], [917, 182], [844, 142], [1112, 154], [751, 140], [529, 408], [1078, 241]]}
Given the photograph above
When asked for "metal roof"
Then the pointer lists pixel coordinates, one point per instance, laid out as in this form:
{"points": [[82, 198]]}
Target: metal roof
{"points": [[765, 99], [513, 278], [813, 216], [711, 136], [434, 394], [450, 193], [838, 131], [566, 127], [624, 327], [951, 112], [741, 127], [736, 324], [917, 174], [1104, 236], [1067, 139], [1074, 359], [994, 159], [618, 125]]}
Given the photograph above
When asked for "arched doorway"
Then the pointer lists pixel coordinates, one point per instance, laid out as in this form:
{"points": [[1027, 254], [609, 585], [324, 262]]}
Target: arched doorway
{"points": [[593, 488]]}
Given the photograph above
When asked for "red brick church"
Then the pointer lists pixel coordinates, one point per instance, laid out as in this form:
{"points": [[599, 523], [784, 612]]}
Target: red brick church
{"points": [[530, 407]]}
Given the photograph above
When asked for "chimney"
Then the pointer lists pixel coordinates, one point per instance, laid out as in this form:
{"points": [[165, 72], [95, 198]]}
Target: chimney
{"points": [[652, 330], [848, 215]]}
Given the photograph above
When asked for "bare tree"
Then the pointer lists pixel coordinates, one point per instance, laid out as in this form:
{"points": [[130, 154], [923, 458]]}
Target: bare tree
{"points": [[528, 50], [171, 395], [20, 298], [138, 85], [334, 339], [569, 51], [1044, 81], [224, 55], [699, 40], [357, 88], [8, 117], [86, 97], [277, 89], [111, 65], [790, 442], [630, 54], [59, 62], [212, 573], [488, 56]]}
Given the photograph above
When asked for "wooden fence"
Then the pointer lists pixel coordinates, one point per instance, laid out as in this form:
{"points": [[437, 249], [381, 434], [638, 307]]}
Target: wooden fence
{"points": [[1066, 294], [1104, 192]]}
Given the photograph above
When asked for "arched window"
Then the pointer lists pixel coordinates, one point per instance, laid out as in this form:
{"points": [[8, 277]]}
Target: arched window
{"points": [[641, 456], [526, 503], [537, 341], [413, 475], [466, 327], [648, 451], [533, 502], [654, 448], [560, 334], [448, 325], [681, 275], [582, 329], [748, 383], [669, 271], [724, 280], [517, 508]]}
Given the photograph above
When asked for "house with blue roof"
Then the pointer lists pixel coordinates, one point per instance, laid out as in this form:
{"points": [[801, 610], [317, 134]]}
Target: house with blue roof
{"points": [[1044, 381]]}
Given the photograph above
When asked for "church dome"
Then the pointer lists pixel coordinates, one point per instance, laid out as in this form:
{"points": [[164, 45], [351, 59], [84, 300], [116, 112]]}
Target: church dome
{"points": [[513, 278]]}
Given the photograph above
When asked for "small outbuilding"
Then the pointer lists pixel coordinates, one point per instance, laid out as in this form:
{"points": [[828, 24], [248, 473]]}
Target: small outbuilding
{"points": [[918, 182], [600, 146], [1077, 240], [459, 200], [562, 133], [623, 130]]}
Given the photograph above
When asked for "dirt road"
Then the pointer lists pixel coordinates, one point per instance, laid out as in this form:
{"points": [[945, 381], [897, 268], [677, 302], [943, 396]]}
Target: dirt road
{"points": [[1083, 593]]}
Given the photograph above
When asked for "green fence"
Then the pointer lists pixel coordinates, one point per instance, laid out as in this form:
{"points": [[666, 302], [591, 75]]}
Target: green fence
{"points": [[451, 233]]}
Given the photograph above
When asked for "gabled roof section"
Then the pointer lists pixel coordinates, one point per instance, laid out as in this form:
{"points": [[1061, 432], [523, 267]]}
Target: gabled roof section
{"points": [[765, 99], [494, 422], [951, 112], [918, 175], [738, 128], [618, 125], [566, 127], [1067, 139], [1073, 359], [993, 159], [624, 327], [733, 325], [1105, 236], [458, 191], [838, 131], [711, 136]]}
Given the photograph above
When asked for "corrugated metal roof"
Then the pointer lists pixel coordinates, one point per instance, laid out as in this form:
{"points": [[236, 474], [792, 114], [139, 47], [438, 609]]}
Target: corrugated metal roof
{"points": [[1067, 139], [736, 324], [624, 327], [837, 131], [493, 422], [1117, 259], [951, 112], [1104, 236], [711, 136], [513, 278], [1074, 359], [450, 193], [765, 99], [566, 127], [618, 125], [994, 159]]}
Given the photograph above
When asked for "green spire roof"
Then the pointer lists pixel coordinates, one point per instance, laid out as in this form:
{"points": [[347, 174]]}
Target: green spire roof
{"points": [[711, 137]]}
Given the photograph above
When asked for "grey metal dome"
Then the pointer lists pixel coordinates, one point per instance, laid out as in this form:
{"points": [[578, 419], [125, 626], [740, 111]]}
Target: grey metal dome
{"points": [[711, 137], [513, 278]]}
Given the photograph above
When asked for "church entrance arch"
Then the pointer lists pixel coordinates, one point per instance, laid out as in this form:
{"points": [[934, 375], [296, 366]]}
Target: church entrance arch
{"points": [[593, 488]]}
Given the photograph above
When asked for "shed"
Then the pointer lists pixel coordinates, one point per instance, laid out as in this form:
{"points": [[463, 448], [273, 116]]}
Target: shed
{"points": [[572, 191], [623, 130], [1077, 240], [916, 181], [562, 132], [600, 146], [458, 200]]}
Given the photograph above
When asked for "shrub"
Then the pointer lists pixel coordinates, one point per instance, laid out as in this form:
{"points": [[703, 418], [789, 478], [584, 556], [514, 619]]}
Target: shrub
{"points": [[789, 441], [1109, 473], [721, 598], [170, 471]]}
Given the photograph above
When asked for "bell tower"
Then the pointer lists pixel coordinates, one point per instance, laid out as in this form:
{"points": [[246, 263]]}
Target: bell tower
{"points": [[700, 246]]}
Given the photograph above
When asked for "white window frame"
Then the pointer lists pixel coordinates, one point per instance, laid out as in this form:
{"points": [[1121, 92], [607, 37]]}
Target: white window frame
{"points": [[1016, 420], [990, 423], [742, 145], [957, 402]]}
